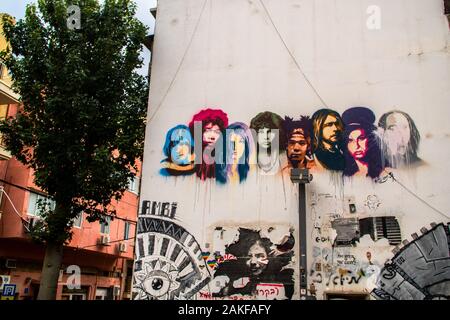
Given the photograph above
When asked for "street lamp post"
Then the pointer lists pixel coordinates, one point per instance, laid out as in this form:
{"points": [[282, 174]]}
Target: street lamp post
{"points": [[302, 177]]}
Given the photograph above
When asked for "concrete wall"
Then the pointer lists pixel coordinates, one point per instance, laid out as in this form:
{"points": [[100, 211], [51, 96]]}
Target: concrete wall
{"points": [[228, 55]]}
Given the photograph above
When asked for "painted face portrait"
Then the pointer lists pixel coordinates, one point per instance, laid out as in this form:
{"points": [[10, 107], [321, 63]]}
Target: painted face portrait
{"points": [[331, 129], [298, 138], [401, 139], [327, 137], [265, 138], [255, 264], [180, 152], [258, 259], [397, 134], [297, 146], [357, 144], [238, 146], [211, 133], [362, 145], [207, 125]]}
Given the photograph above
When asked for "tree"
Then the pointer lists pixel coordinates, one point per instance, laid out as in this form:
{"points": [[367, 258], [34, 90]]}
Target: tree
{"points": [[83, 119]]}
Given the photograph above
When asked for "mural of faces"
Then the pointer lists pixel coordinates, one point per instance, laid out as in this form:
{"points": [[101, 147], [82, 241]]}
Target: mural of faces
{"points": [[350, 144]]}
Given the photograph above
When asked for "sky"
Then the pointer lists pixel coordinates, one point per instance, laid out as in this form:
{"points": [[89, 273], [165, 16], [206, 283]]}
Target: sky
{"points": [[16, 8]]}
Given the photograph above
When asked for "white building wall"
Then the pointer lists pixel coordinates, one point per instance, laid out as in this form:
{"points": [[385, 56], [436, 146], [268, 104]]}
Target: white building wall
{"points": [[227, 55]]}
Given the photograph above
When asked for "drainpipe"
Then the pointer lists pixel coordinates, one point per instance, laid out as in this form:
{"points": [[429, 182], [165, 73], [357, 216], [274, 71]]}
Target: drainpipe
{"points": [[302, 177]]}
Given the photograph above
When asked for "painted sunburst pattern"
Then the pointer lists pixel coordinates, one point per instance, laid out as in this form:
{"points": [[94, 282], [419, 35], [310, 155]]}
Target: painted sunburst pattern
{"points": [[156, 280]]}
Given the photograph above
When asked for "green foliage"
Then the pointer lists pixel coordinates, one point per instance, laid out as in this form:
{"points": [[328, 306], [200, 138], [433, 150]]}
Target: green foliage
{"points": [[83, 119]]}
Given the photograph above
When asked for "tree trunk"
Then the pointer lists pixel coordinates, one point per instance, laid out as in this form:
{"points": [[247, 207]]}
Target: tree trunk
{"points": [[50, 271]]}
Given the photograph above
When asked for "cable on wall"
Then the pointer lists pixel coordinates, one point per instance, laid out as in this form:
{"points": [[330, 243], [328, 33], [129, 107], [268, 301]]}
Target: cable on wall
{"points": [[292, 55], [391, 175], [181, 63]]}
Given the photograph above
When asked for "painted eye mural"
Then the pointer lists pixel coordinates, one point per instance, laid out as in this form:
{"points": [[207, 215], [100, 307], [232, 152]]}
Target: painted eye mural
{"points": [[237, 150], [327, 139], [401, 139], [361, 144], [169, 262], [178, 149], [212, 123], [298, 143], [268, 128], [156, 280], [259, 265]]}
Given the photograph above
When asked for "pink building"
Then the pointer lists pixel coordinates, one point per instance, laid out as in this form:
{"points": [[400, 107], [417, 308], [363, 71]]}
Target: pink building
{"points": [[104, 253]]}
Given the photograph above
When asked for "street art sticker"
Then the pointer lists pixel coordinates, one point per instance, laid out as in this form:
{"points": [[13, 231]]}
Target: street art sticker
{"points": [[169, 262], [350, 144], [261, 269], [420, 270]]}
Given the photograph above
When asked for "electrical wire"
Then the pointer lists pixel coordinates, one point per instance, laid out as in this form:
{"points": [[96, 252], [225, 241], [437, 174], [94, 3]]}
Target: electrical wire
{"points": [[94, 245], [292, 55], [2, 191], [391, 175], [180, 64]]}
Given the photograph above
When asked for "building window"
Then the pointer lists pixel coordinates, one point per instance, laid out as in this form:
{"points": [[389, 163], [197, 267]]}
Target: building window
{"points": [[78, 220], [133, 185], [3, 111], [34, 208], [104, 226], [126, 234], [2, 70]]}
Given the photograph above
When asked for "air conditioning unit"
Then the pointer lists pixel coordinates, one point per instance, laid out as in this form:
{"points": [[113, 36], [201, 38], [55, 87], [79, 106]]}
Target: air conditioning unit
{"points": [[11, 263], [104, 239], [123, 247], [32, 221]]}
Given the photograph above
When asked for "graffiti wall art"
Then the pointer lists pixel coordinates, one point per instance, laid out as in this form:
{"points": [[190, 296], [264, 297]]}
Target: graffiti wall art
{"points": [[169, 262], [259, 267], [351, 144], [420, 270]]}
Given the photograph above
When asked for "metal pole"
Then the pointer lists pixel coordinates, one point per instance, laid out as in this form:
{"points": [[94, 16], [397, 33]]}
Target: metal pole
{"points": [[302, 238]]}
